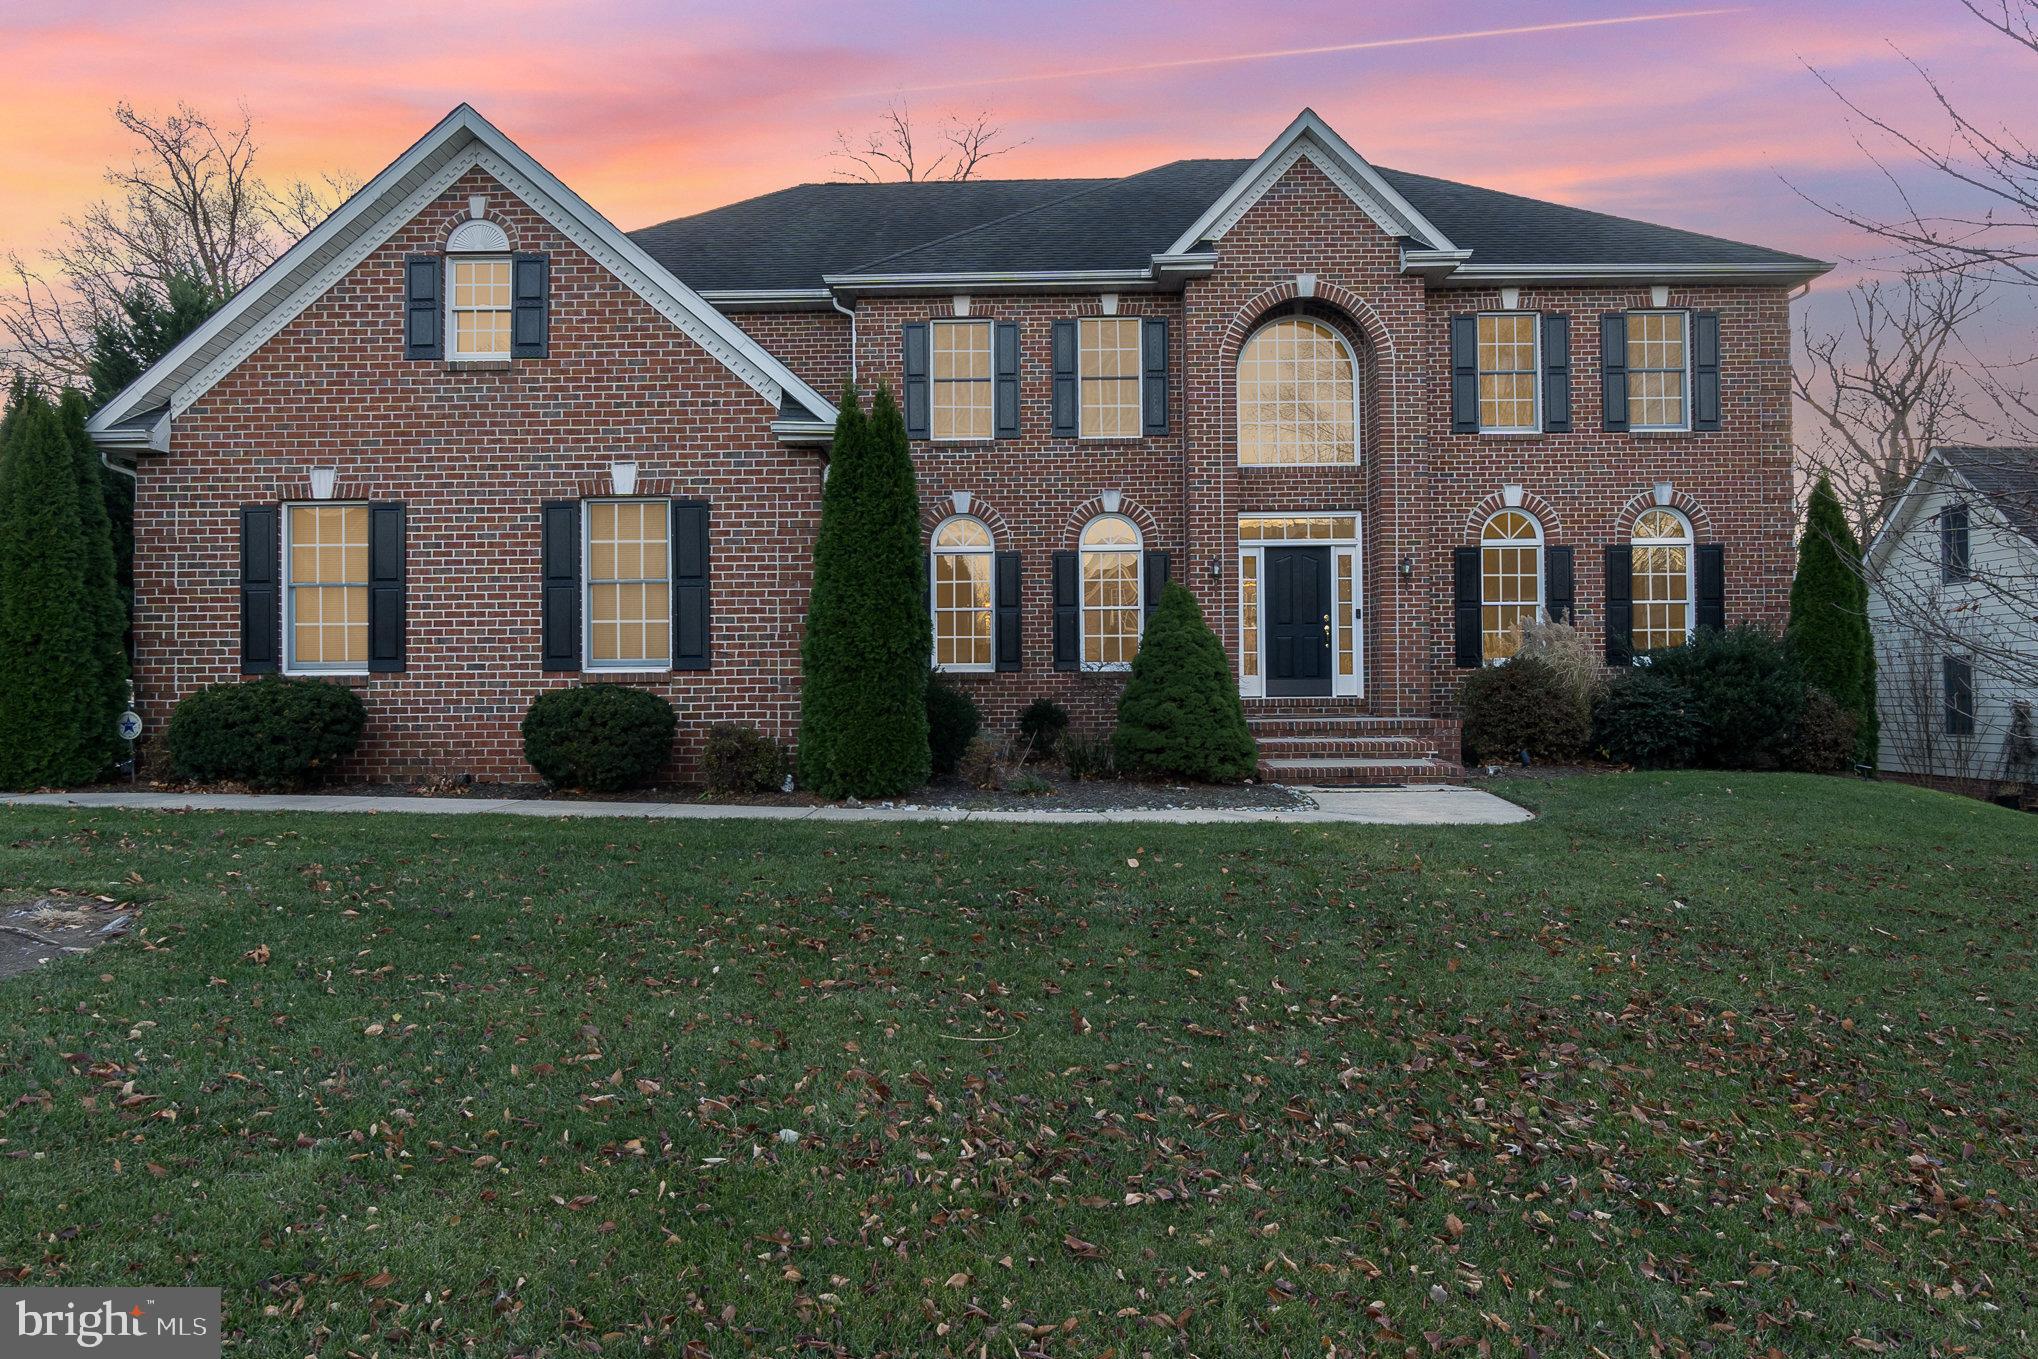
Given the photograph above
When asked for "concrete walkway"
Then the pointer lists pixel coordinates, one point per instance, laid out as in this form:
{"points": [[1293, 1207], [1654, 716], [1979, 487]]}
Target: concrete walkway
{"points": [[1425, 805]]}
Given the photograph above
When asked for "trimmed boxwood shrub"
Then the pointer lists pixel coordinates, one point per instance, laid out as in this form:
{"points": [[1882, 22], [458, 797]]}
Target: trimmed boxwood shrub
{"points": [[1646, 719], [742, 759], [601, 737], [273, 733], [1526, 705], [952, 723], [1180, 715], [1746, 691], [1827, 735], [1042, 725]]}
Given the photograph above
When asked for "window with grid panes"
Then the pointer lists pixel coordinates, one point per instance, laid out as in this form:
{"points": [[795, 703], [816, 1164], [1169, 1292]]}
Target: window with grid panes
{"points": [[1297, 395], [1661, 580], [480, 307], [961, 585], [1112, 614], [961, 388], [1509, 373], [1108, 358], [1510, 580], [629, 584], [326, 561], [1658, 370]]}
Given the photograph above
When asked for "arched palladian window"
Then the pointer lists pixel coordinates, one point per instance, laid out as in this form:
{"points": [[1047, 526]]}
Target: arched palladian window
{"points": [[1111, 613], [1661, 581], [1298, 386], [961, 576], [1510, 580], [478, 291]]}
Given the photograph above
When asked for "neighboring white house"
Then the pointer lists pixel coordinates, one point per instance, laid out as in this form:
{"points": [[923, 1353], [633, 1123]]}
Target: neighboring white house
{"points": [[1953, 603]]}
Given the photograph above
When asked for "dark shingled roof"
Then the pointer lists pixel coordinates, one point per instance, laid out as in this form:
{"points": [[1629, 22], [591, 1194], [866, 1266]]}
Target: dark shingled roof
{"points": [[792, 238], [2007, 476]]}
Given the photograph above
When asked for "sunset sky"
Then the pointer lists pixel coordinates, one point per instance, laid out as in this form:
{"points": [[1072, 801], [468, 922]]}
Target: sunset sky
{"points": [[1695, 115]]}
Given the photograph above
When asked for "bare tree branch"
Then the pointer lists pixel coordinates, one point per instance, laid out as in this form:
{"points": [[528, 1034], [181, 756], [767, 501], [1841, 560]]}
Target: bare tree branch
{"points": [[890, 151]]}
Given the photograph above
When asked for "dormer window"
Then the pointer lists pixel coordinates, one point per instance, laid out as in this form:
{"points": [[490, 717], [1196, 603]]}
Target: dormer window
{"points": [[478, 300]]}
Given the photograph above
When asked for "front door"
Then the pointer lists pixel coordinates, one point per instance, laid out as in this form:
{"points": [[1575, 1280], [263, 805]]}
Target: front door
{"points": [[1298, 621]]}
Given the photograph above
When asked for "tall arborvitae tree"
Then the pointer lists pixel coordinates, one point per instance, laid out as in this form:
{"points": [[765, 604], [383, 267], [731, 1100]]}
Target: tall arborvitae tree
{"points": [[51, 728], [863, 705], [1829, 614], [104, 682], [1180, 715]]}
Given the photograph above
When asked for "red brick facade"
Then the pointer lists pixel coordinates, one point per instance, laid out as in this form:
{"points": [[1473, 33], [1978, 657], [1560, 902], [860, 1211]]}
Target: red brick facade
{"points": [[472, 454]]}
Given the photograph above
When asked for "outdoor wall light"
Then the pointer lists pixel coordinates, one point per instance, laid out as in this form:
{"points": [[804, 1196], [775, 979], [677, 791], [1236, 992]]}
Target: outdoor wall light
{"points": [[322, 479], [1408, 567]]}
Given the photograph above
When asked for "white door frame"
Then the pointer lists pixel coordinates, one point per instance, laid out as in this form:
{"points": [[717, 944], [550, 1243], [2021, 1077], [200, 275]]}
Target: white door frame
{"points": [[1347, 617]]}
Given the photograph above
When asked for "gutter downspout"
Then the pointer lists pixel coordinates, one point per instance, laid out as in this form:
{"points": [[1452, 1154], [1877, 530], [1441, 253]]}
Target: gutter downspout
{"points": [[850, 312]]}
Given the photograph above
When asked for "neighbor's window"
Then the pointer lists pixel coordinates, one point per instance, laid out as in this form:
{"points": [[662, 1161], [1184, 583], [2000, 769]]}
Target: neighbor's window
{"points": [[1111, 612], [1661, 582], [629, 584], [1959, 678], [1510, 580], [1109, 353], [479, 295], [1658, 370], [1509, 372], [962, 595], [326, 565], [1297, 395], [962, 379], [1954, 562]]}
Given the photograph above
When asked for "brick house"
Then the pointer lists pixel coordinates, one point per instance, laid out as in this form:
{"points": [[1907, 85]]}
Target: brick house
{"points": [[468, 441]]}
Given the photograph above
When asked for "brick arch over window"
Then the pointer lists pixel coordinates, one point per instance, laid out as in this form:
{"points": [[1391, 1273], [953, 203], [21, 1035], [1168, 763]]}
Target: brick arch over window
{"points": [[1329, 302], [1641, 503], [940, 509], [1531, 503], [1072, 530]]}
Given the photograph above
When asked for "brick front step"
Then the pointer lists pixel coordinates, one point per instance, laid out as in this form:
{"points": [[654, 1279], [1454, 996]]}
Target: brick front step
{"points": [[1336, 742], [1348, 772], [1332, 743]]}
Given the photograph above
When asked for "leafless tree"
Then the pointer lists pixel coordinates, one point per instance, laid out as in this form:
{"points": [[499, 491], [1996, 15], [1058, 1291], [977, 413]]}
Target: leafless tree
{"points": [[187, 202], [891, 151]]}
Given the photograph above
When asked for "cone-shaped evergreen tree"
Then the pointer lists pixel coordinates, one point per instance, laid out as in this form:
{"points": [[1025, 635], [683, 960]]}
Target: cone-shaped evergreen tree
{"points": [[105, 608], [1829, 614], [1180, 715], [47, 645], [863, 683]]}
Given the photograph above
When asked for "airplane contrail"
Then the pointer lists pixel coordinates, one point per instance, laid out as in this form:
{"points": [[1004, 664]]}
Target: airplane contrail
{"points": [[1370, 44]]}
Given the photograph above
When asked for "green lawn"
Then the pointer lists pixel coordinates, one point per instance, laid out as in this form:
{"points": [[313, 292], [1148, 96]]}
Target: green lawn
{"points": [[1718, 1065]]}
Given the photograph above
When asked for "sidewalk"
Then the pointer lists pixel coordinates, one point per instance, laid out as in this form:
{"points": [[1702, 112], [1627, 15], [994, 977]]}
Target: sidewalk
{"points": [[1428, 805]]}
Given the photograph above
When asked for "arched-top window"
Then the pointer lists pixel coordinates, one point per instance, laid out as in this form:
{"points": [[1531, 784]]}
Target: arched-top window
{"points": [[1111, 612], [478, 291], [1510, 580], [1298, 385], [961, 574], [1661, 580]]}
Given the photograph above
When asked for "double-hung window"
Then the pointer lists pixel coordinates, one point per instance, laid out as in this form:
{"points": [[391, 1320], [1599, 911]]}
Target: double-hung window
{"points": [[1954, 561], [629, 584], [1510, 372], [1660, 585], [1958, 677], [962, 396], [480, 307], [1659, 370], [325, 555], [961, 577], [1510, 581], [1112, 571], [1109, 359]]}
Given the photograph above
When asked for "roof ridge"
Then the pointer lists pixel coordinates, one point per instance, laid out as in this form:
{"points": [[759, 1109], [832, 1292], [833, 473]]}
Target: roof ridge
{"points": [[1093, 187]]}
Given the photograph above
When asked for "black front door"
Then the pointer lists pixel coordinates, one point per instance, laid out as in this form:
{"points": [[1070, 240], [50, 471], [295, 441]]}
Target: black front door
{"points": [[1298, 621]]}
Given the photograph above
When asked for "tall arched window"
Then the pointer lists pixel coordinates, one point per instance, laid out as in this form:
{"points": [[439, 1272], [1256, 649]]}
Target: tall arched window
{"points": [[478, 291], [961, 576], [1661, 580], [1298, 401], [1111, 614], [1510, 580]]}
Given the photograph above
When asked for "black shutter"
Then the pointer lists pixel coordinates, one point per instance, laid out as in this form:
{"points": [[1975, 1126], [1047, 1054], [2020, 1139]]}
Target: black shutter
{"points": [[387, 604], [561, 554], [1064, 380], [1005, 353], [1712, 587], [423, 315], [1559, 594], [689, 585], [1613, 371], [261, 588], [1154, 375], [1066, 619], [1465, 375], [531, 293], [1705, 370], [1005, 609], [1466, 597], [1556, 373], [1157, 564], [913, 357], [1620, 605]]}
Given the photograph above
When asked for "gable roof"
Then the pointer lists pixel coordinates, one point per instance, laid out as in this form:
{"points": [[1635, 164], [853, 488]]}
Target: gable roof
{"points": [[461, 141], [796, 240], [2006, 476]]}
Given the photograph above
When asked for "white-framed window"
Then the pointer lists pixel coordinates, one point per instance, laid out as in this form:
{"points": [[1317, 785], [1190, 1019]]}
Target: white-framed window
{"points": [[1660, 590], [627, 575], [1108, 376], [1510, 372], [961, 575], [478, 295], [1510, 580], [1659, 370], [325, 595], [1113, 581], [1298, 395], [961, 391]]}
